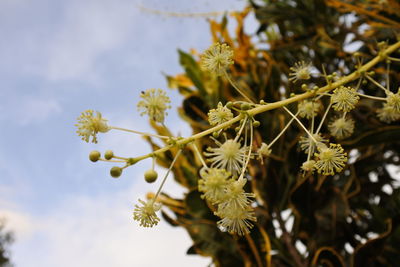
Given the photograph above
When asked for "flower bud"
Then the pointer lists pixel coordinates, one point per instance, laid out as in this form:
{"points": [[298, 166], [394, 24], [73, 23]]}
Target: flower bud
{"points": [[94, 156], [108, 154], [150, 176], [116, 172]]}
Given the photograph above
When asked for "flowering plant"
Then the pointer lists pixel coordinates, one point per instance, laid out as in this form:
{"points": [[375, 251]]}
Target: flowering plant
{"points": [[288, 161]]}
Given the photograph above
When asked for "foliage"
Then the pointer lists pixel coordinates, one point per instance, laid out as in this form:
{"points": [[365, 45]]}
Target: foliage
{"points": [[358, 209], [5, 239]]}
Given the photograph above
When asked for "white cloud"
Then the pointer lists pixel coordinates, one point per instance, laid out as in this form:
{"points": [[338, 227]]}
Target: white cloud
{"points": [[89, 29], [36, 109], [96, 231]]}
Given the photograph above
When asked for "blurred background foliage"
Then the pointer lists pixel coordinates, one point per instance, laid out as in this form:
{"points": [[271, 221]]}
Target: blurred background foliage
{"points": [[350, 219], [6, 238]]}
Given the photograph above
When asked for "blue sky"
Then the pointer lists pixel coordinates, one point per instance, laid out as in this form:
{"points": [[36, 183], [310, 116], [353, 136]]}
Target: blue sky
{"points": [[59, 58]]}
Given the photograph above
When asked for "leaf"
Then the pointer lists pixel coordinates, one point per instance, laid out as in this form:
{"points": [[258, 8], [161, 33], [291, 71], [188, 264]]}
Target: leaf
{"points": [[192, 71]]}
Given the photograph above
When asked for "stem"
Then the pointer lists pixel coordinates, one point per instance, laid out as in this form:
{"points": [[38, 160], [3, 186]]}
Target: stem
{"points": [[237, 88], [241, 129], [249, 155], [301, 124], [263, 108], [283, 130], [394, 59], [199, 155], [110, 160], [323, 118], [166, 175], [141, 133], [376, 83], [372, 97]]}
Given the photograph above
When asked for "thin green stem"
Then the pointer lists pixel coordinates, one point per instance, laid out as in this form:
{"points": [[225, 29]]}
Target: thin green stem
{"points": [[394, 59], [199, 155], [237, 88], [372, 97], [241, 129], [283, 131], [137, 132], [323, 118], [249, 155], [301, 124], [166, 175], [376, 83]]}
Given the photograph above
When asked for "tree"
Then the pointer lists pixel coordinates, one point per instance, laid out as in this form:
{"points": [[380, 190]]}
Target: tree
{"points": [[305, 123]]}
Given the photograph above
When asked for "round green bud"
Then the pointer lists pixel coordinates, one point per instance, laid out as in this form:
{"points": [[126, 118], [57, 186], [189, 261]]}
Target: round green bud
{"points": [[94, 156], [334, 74], [150, 176], [237, 129], [229, 104], [116, 172], [329, 77], [256, 124], [304, 86], [108, 154], [262, 102], [292, 94], [364, 82], [371, 73], [215, 134], [245, 106], [357, 54]]}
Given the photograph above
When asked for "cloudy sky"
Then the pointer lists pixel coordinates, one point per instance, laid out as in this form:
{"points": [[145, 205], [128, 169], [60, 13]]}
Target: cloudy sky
{"points": [[59, 58]]}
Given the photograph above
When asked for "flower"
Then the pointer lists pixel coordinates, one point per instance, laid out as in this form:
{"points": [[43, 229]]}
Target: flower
{"points": [[341, 127], [235, 198], [300, 71], [308, 109], [146, 214], [213, 184], [217, 58], [330, 159], [388, 113], [219, 115], [229, 156], [393, 100], [263, 151], [236, 211], [238, 222], [154, 104], [344, 98], [308, 165], [306, 142], [89, 124]]}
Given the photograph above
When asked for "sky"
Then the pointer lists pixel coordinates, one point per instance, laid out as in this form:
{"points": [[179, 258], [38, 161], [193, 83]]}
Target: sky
{"points": [[59, 58]]}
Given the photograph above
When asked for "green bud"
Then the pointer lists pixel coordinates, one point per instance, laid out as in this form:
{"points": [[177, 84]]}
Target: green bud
{"points": [[229, 105], [116, 172], [304, 86], [371, 73], [334, 74], [364, 82], [245, 106], [131, 161], [262, 102], [94, 156], [256, 124], [150, 176], [108, 154], [215, 134]]}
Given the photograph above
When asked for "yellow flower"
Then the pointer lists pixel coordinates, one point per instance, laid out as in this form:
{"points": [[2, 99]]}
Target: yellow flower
{"points": [[306, 142], [393, 100], [388, 113], [146, 214], [341, 127], [89, 124], [154, 103], [229, 156], [213, 184], [330, 159], [308, 109], [344, 98], [300, 71], [308, 165], [217, 58], [219, 115], [238, 222]]}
